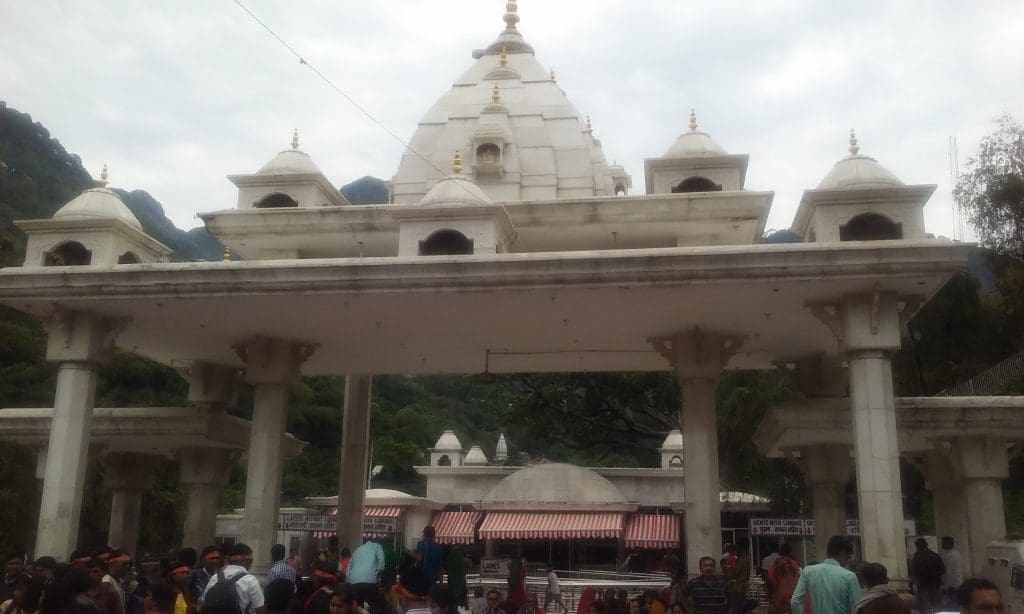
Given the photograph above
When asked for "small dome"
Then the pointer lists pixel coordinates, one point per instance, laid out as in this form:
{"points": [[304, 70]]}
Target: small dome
{"points": [[694, 144], [475, 456], [386, 493], [674, 441], [448, 442], [556, 483], [858, 171], [456, 190], [291, 162], [97, 203]]}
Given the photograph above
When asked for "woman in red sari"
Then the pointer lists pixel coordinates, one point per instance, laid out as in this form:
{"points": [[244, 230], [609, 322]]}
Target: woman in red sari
{"points": [[783, 576], [517, 583]]}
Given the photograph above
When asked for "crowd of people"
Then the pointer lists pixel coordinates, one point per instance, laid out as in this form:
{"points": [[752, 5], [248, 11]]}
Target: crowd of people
{"points": [[831, 587], [375, 580]]}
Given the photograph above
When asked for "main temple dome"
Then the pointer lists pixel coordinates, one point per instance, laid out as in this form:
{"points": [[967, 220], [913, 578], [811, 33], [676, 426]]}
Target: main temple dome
{"points": [[518, 134]]}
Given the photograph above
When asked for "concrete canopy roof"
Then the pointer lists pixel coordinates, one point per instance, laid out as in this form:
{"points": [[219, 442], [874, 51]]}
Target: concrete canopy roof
{"points": [[921, 421], [515, 312], [146, 430]]}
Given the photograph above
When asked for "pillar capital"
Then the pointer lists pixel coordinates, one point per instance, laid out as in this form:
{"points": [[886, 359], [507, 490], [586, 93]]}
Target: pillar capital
{"points": [[205, 466], [129, 470], [698, 353], [81, 336], [273, 361], [868, 321], [982, 457], [826, 464], [211, 385]]}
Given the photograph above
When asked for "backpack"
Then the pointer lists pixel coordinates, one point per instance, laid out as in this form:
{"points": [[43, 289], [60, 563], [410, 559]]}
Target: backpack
{"points": [[222, 597]]}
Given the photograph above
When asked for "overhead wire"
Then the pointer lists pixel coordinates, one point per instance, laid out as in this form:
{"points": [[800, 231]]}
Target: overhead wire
{"points": [[337, 89]]}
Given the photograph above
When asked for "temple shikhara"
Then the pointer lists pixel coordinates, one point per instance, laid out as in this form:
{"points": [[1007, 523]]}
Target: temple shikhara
{"points": [[511, 245]]}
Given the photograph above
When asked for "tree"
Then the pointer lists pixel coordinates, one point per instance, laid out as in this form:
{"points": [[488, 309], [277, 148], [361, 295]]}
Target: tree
{"points": [[991, 190]]}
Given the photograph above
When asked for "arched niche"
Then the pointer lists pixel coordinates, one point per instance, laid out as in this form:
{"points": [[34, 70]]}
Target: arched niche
{"points": [[276, 200], [696, 184], [488, 153], [444, 461], [128, 258], [620, 190], [870, 227], [69, 253], [675, 461], [446, 242]]}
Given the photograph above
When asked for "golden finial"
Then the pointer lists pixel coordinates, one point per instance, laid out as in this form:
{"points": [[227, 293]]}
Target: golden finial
{"points": [[103, 177], [495, 94], [693, 121], [457, 163], [503, 58], [553, 80], [511, 15], [227, 254], [295, 139], [853, 143]]}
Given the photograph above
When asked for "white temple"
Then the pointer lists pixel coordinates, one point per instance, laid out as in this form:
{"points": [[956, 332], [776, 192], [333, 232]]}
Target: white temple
{"points": [[512, 246]]}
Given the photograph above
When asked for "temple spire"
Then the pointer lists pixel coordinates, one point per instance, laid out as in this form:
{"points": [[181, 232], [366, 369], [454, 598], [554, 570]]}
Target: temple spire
{"points": [[854, 148], [511, 15], [457, 163], [693, 121], [103, 177], [295, 139]]}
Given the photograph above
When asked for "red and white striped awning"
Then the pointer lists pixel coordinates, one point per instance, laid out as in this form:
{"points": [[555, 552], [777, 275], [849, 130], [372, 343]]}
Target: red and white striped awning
{"points": [[551, 525], [455, 527], [652, 532]]}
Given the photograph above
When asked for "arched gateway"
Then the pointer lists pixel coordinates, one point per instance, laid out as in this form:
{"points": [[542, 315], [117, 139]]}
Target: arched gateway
{"points": [[564, 276]]}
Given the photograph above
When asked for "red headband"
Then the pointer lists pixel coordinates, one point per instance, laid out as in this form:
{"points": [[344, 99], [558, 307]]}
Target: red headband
{"points": [[81, 560], [211, 556], [124, 558], [325, 574], [182, 568]]}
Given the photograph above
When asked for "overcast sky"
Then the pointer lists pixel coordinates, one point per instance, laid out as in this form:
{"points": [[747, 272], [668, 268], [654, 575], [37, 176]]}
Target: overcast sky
{"points": [[174, 95]]}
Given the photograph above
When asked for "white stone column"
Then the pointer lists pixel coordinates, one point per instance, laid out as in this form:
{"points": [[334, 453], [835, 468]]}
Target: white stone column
{"points": [[826, 470], [203, 472], [272, 366], [944, 479], [698, 356], [78, 341], [870, 332], [985, 464], [127, 476], [355, 455]]}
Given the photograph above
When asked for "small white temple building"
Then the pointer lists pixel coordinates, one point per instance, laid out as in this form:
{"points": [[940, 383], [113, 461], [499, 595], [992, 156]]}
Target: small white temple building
{"points": [[510, 245]]}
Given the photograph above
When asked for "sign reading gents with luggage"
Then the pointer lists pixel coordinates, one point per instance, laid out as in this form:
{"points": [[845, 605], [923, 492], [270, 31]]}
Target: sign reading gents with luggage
{"points": [[372, 525]]}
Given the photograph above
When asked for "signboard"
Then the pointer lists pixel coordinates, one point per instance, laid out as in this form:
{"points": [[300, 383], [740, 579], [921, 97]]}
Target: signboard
{"points": [[495, 567], [778, 526], [323, 522], [781, 527], [380, 526], [308, 522]]}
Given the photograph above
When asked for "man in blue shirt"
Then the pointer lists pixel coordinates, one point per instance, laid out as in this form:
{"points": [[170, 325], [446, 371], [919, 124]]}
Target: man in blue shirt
{"points": [[430, 556], [831, 588], [364, 573]]}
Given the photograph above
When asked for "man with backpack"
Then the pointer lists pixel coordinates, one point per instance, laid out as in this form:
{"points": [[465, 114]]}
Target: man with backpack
{"points": [[233, 590]]}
